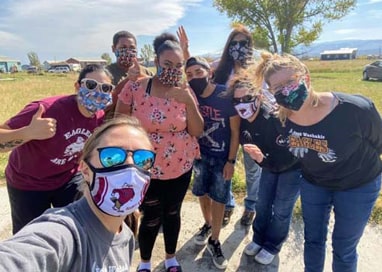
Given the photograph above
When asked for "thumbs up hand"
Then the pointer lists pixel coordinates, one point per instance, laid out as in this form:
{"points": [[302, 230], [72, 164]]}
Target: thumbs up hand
{"points": [[41, 128]]}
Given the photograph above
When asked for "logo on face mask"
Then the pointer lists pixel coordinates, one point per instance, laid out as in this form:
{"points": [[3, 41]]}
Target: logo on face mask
{"points": [[125, 56], [293, 96], [198, 85], [169, 76], [119, 190], [93, 100], [246, 110]]}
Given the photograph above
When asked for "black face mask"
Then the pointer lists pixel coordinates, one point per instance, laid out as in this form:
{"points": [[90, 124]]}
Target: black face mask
{"points": [[294, 99], [198, 85]]}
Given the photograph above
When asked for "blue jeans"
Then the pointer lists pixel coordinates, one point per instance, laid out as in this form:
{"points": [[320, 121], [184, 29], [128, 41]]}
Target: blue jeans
{"points": [[278, 193], [352, 209], [252, 178]]}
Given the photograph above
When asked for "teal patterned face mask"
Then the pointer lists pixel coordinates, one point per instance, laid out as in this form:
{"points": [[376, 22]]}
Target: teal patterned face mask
{"points": [[93, 100]]}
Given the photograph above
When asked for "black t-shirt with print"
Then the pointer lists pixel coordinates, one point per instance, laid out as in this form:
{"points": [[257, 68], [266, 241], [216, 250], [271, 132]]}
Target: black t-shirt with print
{"points": [[342, 150], [266, 132]]}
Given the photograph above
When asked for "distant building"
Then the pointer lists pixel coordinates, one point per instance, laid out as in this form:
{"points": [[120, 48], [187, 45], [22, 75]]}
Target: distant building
{"points": [[8, 65], [51, 64], [340, 54], [84, 62]]}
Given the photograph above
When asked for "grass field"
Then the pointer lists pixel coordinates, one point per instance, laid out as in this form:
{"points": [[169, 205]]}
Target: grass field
{"points": [[342, 76]]}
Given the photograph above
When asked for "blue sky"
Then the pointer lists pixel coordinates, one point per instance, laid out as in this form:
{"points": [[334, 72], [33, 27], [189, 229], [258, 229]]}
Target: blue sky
{"points": [[58, 30]]}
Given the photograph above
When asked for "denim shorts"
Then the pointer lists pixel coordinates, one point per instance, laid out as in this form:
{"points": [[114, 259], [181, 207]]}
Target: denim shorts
{"points": [[208, 179]]}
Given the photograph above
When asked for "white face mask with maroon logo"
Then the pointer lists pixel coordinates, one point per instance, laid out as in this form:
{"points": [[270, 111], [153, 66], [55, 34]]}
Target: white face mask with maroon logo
{"points": [[119, 190]]}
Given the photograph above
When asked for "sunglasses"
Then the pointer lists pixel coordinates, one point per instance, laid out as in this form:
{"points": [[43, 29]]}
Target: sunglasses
{"points": [[112, 156], [92, 84], [244, 99], [242, 43]]}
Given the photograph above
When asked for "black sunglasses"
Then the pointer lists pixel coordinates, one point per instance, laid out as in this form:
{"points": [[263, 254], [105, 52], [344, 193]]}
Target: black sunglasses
{"points": [[244, 99], [92, 84], [242, 43]]}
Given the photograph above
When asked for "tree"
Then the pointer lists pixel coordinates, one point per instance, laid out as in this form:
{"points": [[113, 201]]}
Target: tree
{"points": [[283, 24], [106, 56], [33, 59], [147, 53]]}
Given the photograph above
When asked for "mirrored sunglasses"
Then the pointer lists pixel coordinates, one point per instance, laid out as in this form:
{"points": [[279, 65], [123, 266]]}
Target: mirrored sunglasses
{"points": [[112, 156], [244, 99], [92, 84], [242, 43]]}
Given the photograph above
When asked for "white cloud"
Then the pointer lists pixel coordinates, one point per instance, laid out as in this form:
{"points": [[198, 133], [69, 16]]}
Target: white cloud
{"points": [[82, 28]]}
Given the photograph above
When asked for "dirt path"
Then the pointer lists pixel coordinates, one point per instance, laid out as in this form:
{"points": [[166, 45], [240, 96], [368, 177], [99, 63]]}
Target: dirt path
{"points": [[234, 237]]}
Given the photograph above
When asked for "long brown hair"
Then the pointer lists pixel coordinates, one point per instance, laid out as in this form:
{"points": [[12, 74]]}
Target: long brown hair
{"points": [[226, 63]]}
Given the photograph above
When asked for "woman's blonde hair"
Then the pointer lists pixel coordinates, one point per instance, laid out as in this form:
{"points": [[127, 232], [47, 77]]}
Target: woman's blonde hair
{"points": [[272, 63], [244, 78]]}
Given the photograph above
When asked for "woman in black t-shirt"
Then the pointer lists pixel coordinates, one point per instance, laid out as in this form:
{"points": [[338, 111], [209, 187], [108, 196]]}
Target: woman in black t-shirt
{"points": [[338, 139]]}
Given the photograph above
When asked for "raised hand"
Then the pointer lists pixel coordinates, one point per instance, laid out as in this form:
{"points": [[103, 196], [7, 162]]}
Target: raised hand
{"points": [[134, 71], [41, 128], [183, 41], [181, 94]]}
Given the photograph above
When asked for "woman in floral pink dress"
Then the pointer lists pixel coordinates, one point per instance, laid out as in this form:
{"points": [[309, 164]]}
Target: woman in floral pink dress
{"points": [[167, 109]]}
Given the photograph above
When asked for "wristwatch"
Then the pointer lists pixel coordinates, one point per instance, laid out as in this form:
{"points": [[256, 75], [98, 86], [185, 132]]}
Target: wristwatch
{"points": [[231, 161]]}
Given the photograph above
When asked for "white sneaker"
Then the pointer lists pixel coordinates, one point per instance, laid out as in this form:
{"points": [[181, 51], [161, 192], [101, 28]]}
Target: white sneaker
{"points": [[264, 257], [252, 249]]}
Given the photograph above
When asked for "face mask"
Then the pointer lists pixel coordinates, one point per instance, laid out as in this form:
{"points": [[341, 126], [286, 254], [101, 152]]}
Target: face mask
{"points": [[239, 52], [93, 100], [119, 190], [292, 96], [125, 56], [246, 110], [169, 76], [198, 85]]}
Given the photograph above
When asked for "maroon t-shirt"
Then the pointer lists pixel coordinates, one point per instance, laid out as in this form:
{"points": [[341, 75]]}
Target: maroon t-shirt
{"points": [[42, 165]]}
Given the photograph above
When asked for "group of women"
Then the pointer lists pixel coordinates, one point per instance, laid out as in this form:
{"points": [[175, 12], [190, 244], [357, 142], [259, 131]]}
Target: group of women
{"points": [[325, 145]]}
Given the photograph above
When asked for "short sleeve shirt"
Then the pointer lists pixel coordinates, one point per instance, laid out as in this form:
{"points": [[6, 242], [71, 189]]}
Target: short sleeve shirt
{"points": [[166, 122], [48, 164]]}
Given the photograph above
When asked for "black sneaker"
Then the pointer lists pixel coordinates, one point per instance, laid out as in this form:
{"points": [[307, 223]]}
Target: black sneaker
{"points": [[227, 217], [201, 237], [217, 255]]}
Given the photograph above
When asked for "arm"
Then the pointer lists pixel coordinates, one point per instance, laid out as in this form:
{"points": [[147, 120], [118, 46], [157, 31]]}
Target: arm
{"points": [[371, 124], [44, 246], [122, 106], [38, 129], [234, 122]]}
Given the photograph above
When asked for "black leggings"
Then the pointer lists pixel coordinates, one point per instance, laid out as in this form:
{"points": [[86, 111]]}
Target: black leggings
{"points": [[161, 206]]}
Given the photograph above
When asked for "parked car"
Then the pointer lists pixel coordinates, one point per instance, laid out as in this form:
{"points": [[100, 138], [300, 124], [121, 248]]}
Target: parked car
{"points": [[32, 70], [373, 70], [59, 70]]}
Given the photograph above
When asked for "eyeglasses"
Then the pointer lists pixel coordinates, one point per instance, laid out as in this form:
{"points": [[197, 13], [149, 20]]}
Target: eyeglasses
{"points": [[92, 84], [112, 156], [242, 43], [244, 99]]}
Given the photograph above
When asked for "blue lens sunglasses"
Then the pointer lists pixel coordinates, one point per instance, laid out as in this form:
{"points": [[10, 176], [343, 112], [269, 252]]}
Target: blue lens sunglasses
{"points": [[113, 155]]}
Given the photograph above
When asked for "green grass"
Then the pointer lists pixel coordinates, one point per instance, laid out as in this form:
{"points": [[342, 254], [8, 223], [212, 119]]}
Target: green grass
{"points": [[342, 76]]}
